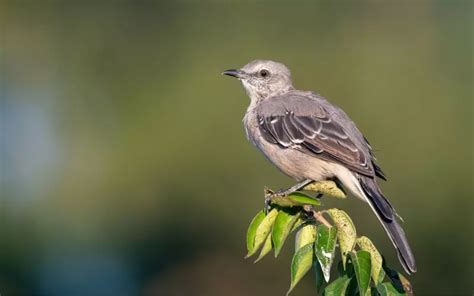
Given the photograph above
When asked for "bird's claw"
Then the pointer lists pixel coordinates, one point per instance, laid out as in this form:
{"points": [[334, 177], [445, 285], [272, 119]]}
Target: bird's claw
{"points": [[268, 205], [268, 199], [271, 195]]}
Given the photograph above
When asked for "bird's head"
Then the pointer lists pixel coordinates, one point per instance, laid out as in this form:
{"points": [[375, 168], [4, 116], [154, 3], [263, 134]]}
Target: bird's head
{"points": [[263, 78]]}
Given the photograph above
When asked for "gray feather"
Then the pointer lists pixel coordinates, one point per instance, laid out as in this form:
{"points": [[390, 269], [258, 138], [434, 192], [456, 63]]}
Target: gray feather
{"points": [[295, 119]]}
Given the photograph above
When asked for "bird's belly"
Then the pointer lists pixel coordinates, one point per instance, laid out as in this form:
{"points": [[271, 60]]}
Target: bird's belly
{"points": [[296, 164], [301, 166]]}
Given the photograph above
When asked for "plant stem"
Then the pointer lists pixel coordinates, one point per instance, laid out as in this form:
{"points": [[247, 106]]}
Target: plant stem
{"points": [[318, 215]]}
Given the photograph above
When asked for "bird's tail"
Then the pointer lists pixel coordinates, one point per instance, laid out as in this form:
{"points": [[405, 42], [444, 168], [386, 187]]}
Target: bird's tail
{"points": [[386, 215]]}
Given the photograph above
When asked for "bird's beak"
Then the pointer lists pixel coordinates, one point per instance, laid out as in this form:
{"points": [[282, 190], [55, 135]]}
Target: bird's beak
{"points": [[234, 73]]}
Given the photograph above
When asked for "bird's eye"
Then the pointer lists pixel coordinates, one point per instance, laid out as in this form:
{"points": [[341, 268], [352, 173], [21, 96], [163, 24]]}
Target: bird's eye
{"points": [[264, 73]]}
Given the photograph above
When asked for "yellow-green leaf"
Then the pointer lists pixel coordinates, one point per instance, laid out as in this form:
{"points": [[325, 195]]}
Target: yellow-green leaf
{"points": [[263, 229], [301, 199], [297, 224], [338, 287], [388, 289], [346, 232], [252, 230], [369, 292], [304, 236], [326, 187], [301, 264], [376, 259], [325, 248], [281, 228], [267, 247], [361, 262]]}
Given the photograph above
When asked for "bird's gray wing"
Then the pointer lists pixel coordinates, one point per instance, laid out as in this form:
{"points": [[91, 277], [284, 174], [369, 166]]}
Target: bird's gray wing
{"points": [[302, 123]]}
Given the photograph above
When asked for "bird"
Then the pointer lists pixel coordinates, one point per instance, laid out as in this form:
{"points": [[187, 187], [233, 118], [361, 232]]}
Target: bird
{"points": [[310, 139]]}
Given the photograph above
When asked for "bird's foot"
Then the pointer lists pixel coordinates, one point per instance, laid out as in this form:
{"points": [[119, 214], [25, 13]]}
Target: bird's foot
{"points": [[281, 194], [268, 199], [275, 196]]}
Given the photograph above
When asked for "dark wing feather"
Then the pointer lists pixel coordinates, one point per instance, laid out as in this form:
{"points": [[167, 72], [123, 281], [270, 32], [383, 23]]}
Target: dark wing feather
{"points": [[296, 136], [378, 170], [316, 134]]}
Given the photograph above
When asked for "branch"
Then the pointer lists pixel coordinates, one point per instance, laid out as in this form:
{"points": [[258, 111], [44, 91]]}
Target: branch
{"points": [[318, 215]]}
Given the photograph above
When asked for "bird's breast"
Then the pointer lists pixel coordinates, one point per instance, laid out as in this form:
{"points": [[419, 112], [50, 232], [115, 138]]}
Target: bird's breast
{"points": [[291, 162]]}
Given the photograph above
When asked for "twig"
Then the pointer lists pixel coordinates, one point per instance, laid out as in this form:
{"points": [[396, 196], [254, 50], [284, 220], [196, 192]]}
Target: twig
{"points": [[327, 187], [318, 215]]}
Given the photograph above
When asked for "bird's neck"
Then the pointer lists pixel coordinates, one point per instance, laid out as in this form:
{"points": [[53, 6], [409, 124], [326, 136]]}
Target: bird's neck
{"points": [[256, 97]]}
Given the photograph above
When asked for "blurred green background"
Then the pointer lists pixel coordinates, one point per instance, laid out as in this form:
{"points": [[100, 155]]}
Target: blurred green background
{"points": [[124, 165]]}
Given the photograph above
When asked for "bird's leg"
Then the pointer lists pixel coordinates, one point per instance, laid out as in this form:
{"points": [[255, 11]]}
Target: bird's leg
{"points": [[270, 195], [296, 187]]}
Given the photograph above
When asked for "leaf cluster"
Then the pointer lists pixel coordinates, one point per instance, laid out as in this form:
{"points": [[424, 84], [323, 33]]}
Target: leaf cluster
{"points": [[361, 270]]}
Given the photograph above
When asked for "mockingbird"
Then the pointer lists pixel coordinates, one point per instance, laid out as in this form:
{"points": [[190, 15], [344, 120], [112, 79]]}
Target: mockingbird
{"points": [[310, 139]]}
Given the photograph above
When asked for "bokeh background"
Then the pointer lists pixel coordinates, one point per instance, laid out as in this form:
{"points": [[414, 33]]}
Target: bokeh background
{"points": [[124, 165]]}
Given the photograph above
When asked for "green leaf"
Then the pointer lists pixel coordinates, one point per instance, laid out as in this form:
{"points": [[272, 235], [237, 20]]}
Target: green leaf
{"points": [[319, 277], [301, 264], [267, 247], [294, 199], [283, 224], [262, 231], [304, 236], [252, 230], [297, 224], [338, 287], [325, 248], [346, 232], [362, 266], [376, 259], [301, 199], [388, 289]]}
